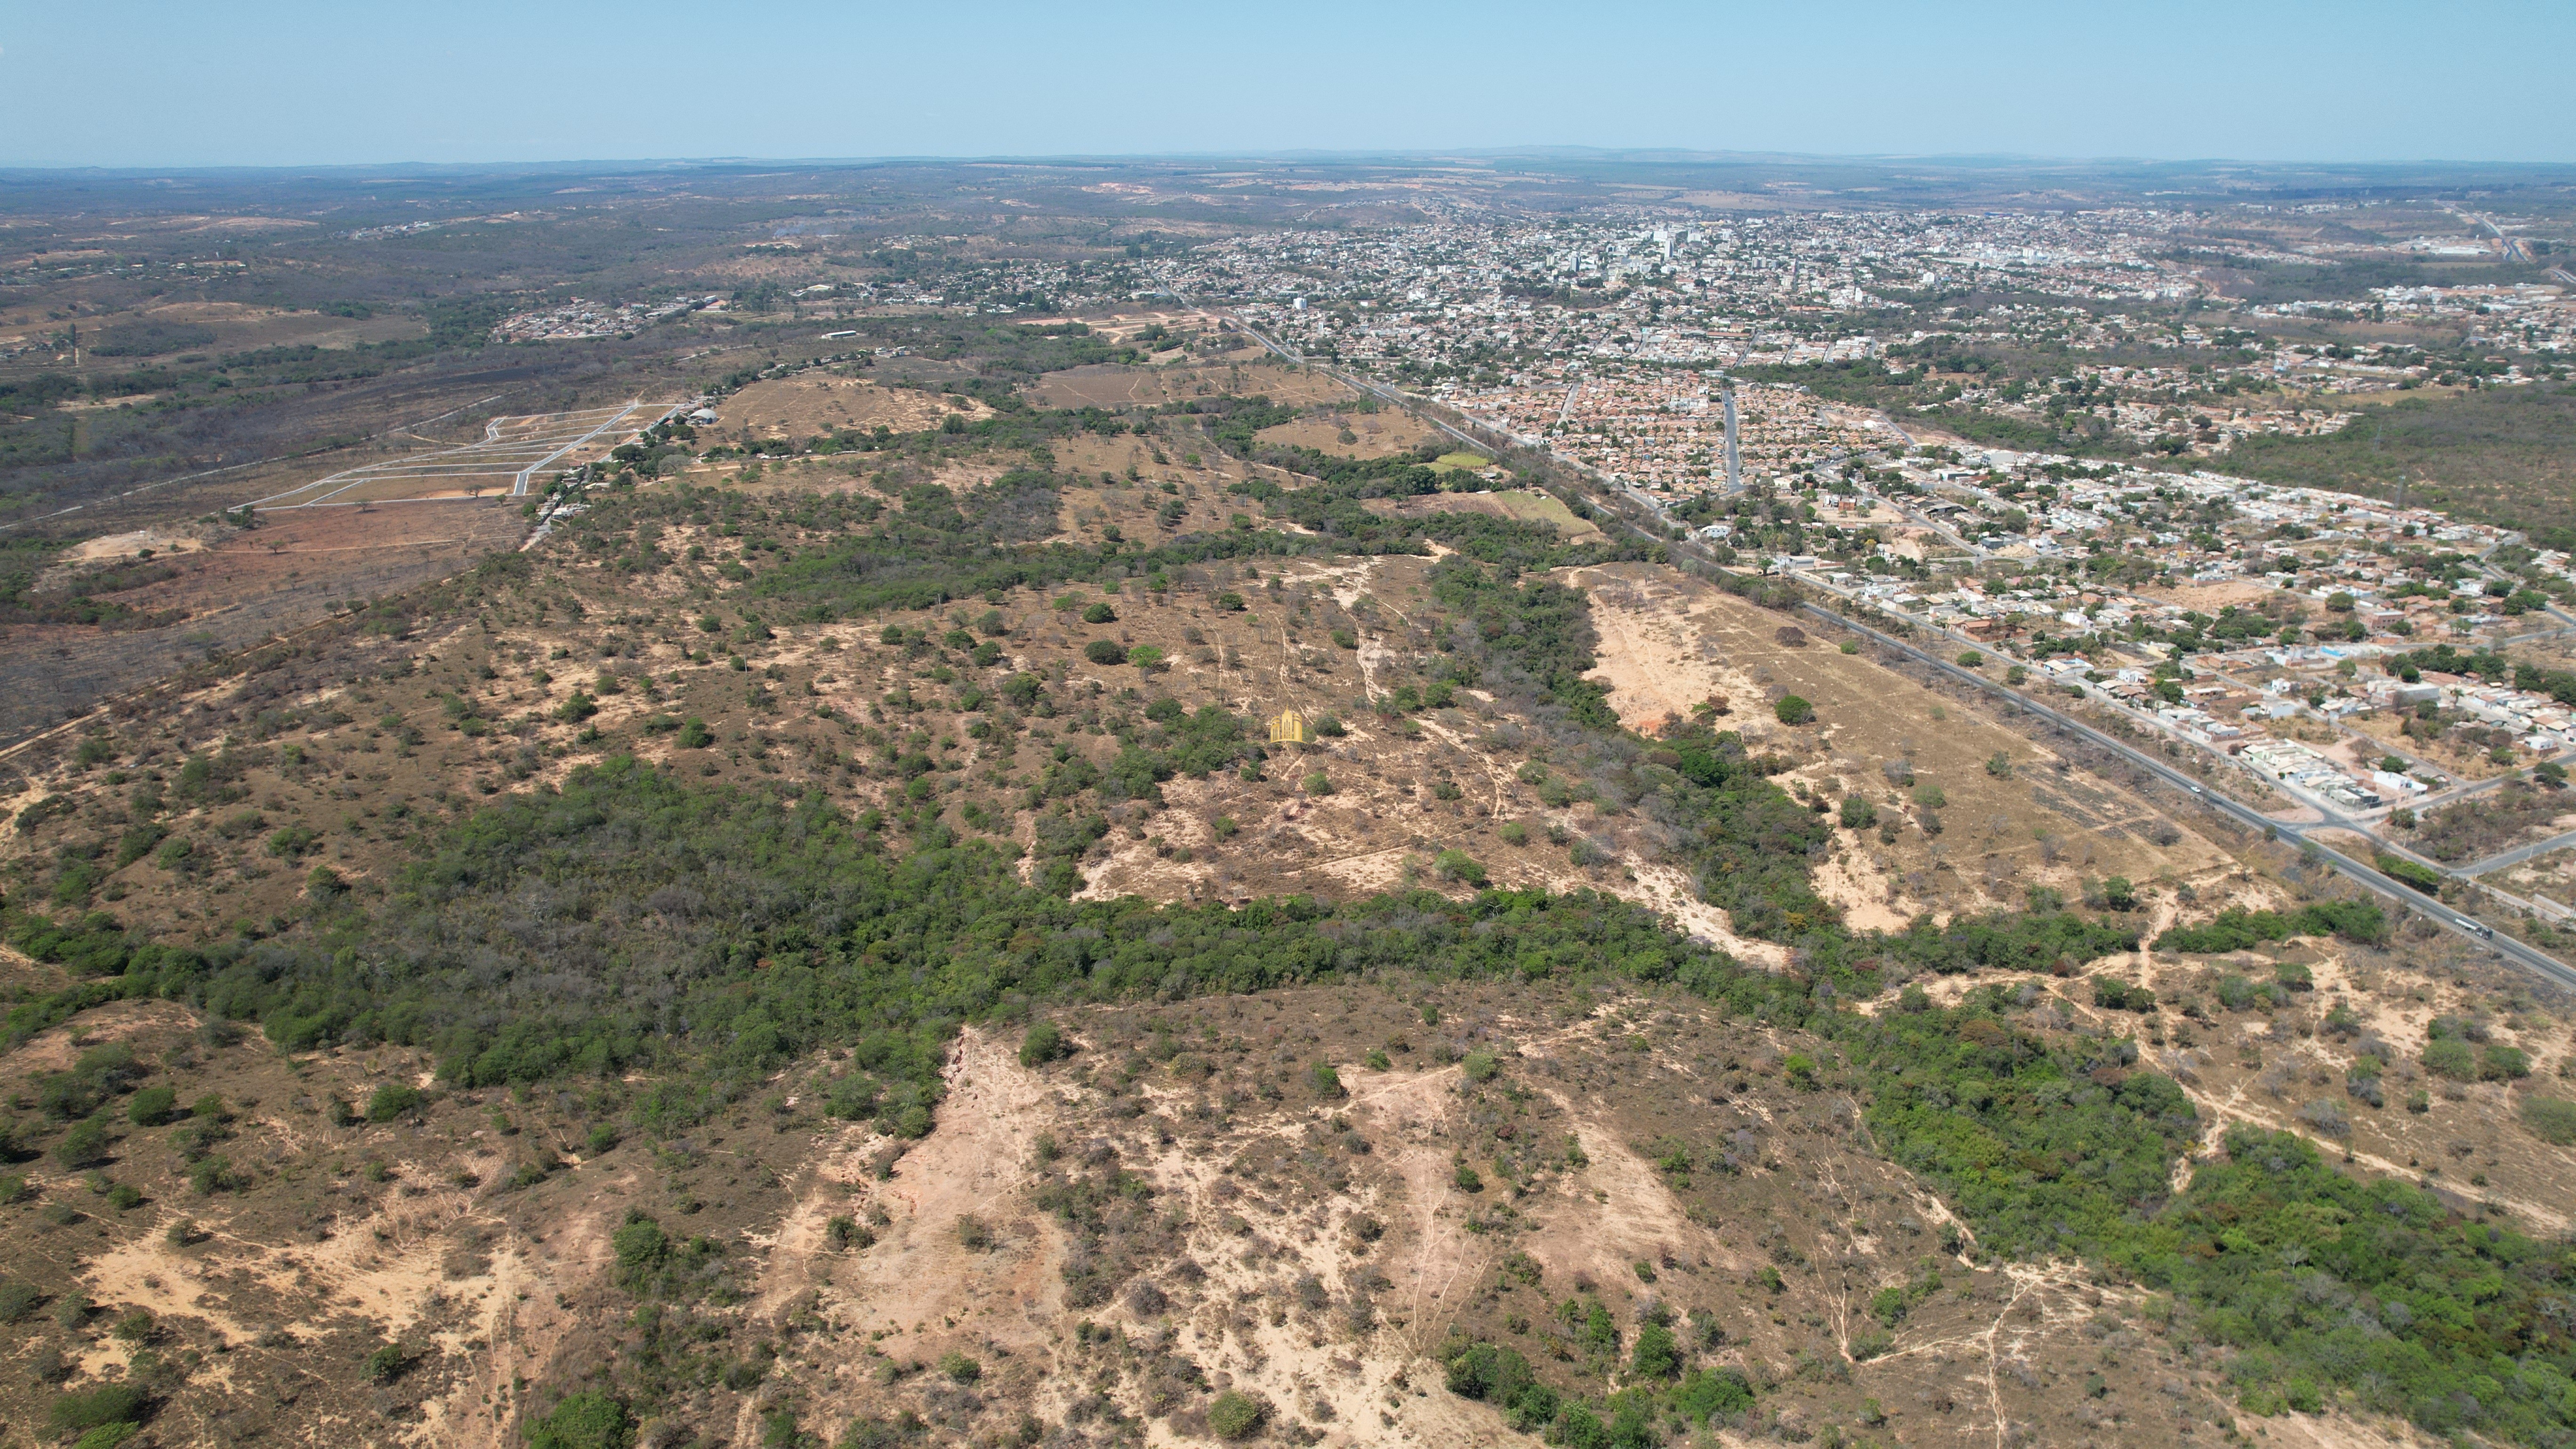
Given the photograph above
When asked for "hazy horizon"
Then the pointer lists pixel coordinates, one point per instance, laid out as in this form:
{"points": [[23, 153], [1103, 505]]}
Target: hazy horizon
{"points": [[148, 85]]}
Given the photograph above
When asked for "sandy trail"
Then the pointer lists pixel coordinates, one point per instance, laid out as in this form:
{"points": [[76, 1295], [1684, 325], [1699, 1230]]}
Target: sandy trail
{"points": [[975, 1165], [1646, 655]]}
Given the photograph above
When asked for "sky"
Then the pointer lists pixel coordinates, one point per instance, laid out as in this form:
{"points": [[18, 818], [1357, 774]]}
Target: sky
{"points": [[151, 84]]}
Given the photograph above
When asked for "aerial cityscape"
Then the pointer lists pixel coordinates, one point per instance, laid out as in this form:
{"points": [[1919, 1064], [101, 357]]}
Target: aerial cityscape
{"points": [[1174, 760]]}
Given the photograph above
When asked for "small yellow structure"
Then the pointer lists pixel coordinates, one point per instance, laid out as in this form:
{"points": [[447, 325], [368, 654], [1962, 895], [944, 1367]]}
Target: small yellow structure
{"points": [[1290, 728]]}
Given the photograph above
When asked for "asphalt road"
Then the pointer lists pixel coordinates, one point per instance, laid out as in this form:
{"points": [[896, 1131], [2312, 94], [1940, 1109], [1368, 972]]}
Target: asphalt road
{"points": [[2515, 856], [2544, 966]]}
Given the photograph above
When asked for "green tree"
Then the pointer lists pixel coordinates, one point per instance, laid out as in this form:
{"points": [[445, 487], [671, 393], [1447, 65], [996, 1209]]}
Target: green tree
{"points": [[392, 1100], [152, 1106], [1234, 1415], [1459, 866], [1042, 1044], [1656, 1355], [587, 1420]]}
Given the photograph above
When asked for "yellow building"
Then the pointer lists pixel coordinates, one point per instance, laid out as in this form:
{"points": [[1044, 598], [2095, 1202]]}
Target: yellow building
{"points": [[1290, 728]]}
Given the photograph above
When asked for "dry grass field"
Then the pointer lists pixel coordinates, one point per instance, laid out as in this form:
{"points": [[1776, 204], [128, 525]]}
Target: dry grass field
{"points": [[1372, 435], [1310, 1250], [1400, 790], [2551, 875], [816, 404], [1965, 838], [235, 327], [1528, 505], [278, 579], [1111, 386]]}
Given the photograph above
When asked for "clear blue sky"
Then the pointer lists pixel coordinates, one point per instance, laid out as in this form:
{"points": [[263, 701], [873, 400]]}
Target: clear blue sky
{"points": [[149, 83]]}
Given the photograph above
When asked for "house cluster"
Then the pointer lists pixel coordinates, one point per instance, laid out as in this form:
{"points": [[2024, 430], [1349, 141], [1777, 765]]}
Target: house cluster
{"points": [[2223, 611], [578, 319], [1666, 432], [1604, 337]]}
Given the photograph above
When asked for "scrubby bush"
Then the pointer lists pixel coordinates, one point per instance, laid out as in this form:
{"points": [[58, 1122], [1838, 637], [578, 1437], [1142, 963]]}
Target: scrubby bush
{"points": [[119, 1403], [2451, 1058], [1233, 1415], [588, 1420], [2501, 1063], [152, 1106], [2398, 868], [2236, 929], [84, 1145], [1459, 866], [2551, 1119], [1657, 1355], [393, 1100], [1041, 1044], [2327, 1117]]}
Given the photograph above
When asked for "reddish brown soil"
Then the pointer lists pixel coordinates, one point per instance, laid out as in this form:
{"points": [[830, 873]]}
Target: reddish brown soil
{"points": [[271, 580]]}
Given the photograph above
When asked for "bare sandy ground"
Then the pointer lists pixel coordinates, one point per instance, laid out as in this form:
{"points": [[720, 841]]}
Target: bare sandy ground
{"points": [[803, 406]]}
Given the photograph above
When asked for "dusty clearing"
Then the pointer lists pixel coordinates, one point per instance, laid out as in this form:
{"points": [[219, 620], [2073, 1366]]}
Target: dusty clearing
{"points": [[804, 407], [130, 544], [1111, 386], [1966, 837], [1372, 435]]}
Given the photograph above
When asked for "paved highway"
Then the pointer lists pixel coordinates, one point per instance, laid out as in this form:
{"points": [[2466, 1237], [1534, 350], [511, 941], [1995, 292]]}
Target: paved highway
{"points": [[2547, 967]]}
